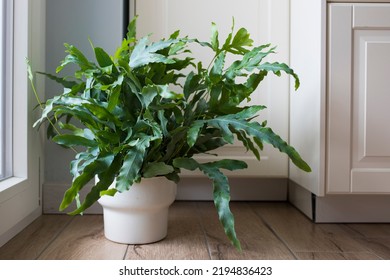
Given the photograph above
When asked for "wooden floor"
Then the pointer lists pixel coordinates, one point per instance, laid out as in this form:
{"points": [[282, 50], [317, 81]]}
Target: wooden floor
{"points": [[275, 231]]}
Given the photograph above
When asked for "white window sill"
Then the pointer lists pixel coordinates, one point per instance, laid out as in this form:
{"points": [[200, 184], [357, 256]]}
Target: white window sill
{"points": [[6, 187]]}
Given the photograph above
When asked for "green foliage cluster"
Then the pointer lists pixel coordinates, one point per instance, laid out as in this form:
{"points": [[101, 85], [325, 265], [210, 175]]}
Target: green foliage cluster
{"points": [[133, 125]]}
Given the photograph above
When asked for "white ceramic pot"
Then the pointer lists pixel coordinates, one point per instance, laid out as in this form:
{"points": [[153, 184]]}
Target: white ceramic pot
{"points": [[140, 215]]}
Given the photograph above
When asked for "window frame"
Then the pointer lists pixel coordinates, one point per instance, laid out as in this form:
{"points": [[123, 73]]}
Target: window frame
{"points": [[20, 194], [6, 70]]}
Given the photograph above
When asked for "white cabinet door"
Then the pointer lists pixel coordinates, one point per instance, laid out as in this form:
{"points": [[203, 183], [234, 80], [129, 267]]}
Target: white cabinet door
{"points": [[359, 99], [268, 22]]}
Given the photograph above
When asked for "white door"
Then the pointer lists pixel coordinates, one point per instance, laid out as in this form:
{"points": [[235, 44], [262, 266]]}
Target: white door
{"points": [[20, 192], [359, 99], [268, 22]]}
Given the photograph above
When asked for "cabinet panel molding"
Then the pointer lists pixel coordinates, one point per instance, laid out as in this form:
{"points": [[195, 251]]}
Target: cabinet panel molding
{"points": [[370, 181], [371, 16], [371, 130], [339, 98]]}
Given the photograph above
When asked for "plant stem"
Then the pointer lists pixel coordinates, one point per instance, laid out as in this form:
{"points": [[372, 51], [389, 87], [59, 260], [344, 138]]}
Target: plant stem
{"points": [[40, 102]]}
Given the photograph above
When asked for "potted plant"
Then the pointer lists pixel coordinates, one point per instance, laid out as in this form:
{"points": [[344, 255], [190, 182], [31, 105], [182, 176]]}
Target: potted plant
{"points": [[146, 111]]}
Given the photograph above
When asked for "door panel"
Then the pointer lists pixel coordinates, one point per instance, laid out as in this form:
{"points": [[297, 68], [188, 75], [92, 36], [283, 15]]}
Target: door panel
{"points": [[372, 60], [267, 21]]}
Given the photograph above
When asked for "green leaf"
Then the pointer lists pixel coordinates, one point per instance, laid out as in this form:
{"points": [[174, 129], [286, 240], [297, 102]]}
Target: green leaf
{"points": [[132, 163], [74, 140], [221, 194], [122, 54], [144, 54], [214, 37], [148, 94], [175, 35], [247, 142], [249, 112], [228, 40], [221, 189], [260, 133], [157, 169], [102, 57], [108, 137], [74, 129], [216, 71], [206, 143], [104, 60], [106, 178], [223, 124], [229, 164], [101, 113], [99, 165], [193, 133], [29, 71], [114, 98], [192, 84], [110, 192], [177, 136], [77, 57], [54, 105], [186, 163], [81, 160], [276, 67], [163, 122], [79, 113], [165, 92], [241, 39], [131, 29], [249, 62], [63, 81]]}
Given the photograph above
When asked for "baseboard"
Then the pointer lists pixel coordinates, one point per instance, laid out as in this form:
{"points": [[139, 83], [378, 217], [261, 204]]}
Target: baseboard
{"points": [[197, 189], [351, 208], [301, 198]]}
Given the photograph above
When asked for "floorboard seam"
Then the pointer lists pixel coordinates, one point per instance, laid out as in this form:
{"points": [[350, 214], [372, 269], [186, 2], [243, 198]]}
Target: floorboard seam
{"points": [[54, 238], [125, 254], [203, 229], [274, 233]]}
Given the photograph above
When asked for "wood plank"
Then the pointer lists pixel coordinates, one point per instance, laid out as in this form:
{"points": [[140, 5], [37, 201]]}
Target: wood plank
{"points": [[266, 231], [336, 256], [185, 239], [33, 240], [257, 241], [84, 239], [302, 235], [378, 246], [371, 230], [343, 237]]}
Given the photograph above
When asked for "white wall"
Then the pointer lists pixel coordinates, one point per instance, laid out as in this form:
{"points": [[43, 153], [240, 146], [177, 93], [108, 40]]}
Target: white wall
{"points": [[73, 21]]}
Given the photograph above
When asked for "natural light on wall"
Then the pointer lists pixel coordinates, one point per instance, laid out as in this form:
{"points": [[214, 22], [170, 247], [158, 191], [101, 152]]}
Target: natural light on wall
{"points": [[5, 89]]}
